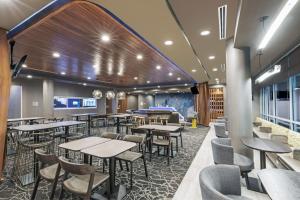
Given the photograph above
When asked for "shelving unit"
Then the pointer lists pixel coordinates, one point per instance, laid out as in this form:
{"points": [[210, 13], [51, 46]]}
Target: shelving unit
{"points": [[216, 102]]}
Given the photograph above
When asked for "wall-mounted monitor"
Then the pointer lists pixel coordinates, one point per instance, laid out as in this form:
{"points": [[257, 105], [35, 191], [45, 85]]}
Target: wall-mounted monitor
{"points": [[74, 103]]}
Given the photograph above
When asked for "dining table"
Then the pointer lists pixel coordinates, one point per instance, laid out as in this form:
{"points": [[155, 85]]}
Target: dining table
{"points": [[109, 150], [264, 145], [280, 184], [118, 117], [88, 120], [31, 120]]}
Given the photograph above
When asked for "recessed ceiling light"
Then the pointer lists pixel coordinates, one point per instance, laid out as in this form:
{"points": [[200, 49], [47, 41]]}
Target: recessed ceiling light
{"points": [[134, 88], [168, 42], [217, 79], [194, 70], [56, 55], [215, 69], [148, 81], [29, 76], [185, 84], [63, 73], [178, 78], [211, 57], [135, 78], [139, 57], [89, 78], [170, 74], [105, 38], [119, 73], [24, 66], [84, 84], [158, 67], [205, 33], [158, 86]]}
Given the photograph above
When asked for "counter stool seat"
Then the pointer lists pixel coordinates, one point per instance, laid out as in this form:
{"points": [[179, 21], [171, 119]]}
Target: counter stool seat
{"points": [[236, 197], [160, 142], [245, 163], [79, 183]]}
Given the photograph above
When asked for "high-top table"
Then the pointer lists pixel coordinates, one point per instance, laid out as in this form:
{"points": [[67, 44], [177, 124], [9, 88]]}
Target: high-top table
{"points": [[89, 119], [29, 119], [265, 145], [109, 150], [281, 184], [118, 116]]}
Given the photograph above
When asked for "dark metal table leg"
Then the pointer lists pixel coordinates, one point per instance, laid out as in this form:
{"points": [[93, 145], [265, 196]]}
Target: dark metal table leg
{"points": [[262, 160], [89, 125], [112, 167], [118, 125]]}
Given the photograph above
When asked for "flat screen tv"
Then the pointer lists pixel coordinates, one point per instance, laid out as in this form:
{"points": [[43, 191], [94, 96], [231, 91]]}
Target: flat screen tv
{"points": [[74, 103], [283, 95], [89, 103]]}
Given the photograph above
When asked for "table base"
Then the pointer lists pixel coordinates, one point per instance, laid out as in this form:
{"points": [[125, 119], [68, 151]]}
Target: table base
{"points": [[120, 192]]}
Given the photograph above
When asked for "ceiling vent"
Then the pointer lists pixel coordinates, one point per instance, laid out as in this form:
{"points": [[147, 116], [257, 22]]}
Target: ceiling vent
{"points": [[222, 13]]}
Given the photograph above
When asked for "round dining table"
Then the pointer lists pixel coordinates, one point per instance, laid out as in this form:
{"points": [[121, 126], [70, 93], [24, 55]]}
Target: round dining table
{"points": [[264, 146]]}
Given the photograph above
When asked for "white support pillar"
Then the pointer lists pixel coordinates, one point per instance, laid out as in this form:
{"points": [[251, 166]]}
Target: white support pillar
{"points": [[48, 93], [239, 96]]}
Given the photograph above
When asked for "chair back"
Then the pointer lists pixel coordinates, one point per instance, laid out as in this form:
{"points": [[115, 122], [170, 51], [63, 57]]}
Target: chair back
{"points": [[220, 130], [108, 135], [216, 181], [134, 138], [138, 131], [75, 168], [222, 151], [165, 134], [44, 158]]}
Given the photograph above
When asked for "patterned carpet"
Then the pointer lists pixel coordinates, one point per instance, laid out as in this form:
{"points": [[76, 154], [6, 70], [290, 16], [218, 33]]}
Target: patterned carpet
{"points": [[162, 183]]}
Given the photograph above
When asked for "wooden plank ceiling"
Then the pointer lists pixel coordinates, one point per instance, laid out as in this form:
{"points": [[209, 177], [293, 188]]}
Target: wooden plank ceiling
{"points": [[75, 33]]}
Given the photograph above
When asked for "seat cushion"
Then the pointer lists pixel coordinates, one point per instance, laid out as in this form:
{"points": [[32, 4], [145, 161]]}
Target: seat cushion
{"points": [[79, 183], [161, 142], [243, 162], [129, 156], [49, 172], [237, 197]]}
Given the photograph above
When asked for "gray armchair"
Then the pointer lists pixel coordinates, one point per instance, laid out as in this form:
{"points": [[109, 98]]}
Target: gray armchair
{"points": [[221, 182], [220, 131], [223, 154]]}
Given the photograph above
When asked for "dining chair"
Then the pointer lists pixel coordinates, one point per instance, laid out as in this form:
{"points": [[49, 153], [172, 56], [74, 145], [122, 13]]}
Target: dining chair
{"points": [[223, 153], [131, 156], [221, 182], [144, 133], [81, 179], [177, 134], [161, 139], [108, 135], [49, 170]]}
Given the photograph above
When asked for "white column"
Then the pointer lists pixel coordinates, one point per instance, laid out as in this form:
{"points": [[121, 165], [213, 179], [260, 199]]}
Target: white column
{"points": [[48, 93], [239, 96]]}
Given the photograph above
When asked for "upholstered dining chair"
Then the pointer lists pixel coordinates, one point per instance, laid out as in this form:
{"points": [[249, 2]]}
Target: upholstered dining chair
{"points": [[49, 170], [223, 153], [221, 182], [132, 156], [161, 139], [220, 130], [81, 179]]}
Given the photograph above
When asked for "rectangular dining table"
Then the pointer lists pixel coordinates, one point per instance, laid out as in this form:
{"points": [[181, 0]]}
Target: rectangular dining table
{"points": [[25, 119], [89, 119], [109, 150], [118, 117]]}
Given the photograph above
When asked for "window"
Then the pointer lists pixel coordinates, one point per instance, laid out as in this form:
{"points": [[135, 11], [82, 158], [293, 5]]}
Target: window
{"points": [[296, 102], [283, 100]]}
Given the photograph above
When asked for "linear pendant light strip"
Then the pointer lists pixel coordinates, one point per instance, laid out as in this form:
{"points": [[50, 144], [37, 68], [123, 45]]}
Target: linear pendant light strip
{"points": [[186, 38], [277, 22]]}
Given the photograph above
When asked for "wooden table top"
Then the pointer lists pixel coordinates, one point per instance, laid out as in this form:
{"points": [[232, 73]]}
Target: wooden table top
{"points": [[36, 127], [109, 149], [281, 184], [160, 127], [120, 115], [84, 114], [83, 143], [266, 145], [24, 119]]}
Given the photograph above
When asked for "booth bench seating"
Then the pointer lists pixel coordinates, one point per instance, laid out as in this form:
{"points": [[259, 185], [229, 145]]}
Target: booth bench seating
{"points": [[283, 135]]}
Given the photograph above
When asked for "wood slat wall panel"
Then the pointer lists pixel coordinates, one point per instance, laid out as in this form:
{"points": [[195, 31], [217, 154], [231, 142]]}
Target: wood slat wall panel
{"points": [[5, 82], [75, 33], [216, 103]]}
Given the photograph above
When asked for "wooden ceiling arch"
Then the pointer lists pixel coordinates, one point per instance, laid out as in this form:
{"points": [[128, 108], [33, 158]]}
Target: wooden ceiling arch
{"points": [[74, 29]]}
